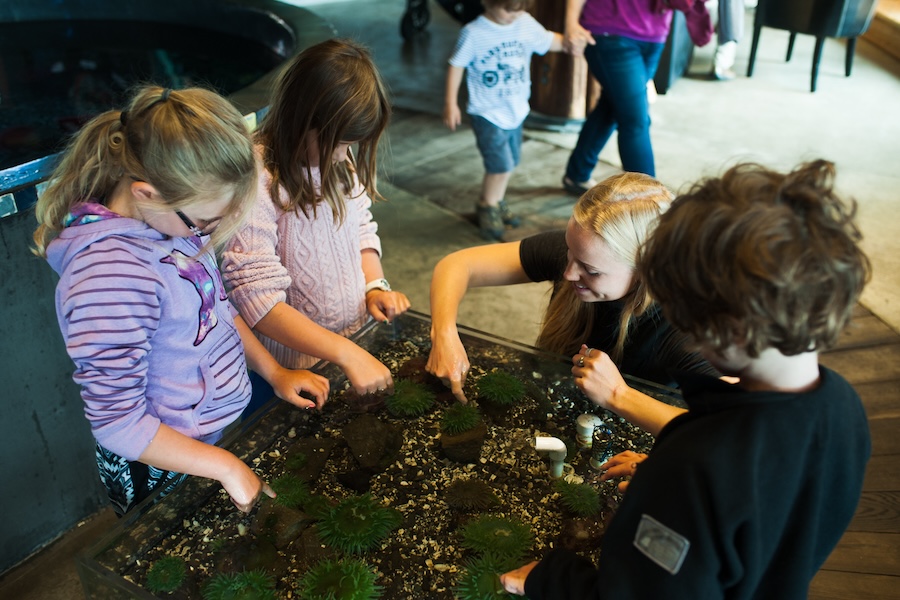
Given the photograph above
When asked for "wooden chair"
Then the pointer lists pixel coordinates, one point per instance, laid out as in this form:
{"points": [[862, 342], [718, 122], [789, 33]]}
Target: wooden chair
{"points": [[821, 18]]}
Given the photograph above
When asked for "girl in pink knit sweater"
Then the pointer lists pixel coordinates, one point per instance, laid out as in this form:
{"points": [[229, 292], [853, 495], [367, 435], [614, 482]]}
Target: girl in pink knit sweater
{"points": [[305, 272]]}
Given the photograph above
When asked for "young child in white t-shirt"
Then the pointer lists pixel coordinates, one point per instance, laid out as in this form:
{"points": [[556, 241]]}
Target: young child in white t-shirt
{"points": [[494, 51]]}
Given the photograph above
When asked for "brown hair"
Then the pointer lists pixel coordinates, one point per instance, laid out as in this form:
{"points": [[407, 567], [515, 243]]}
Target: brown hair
{"points": [[759, 258], [334, 89], [622, 210], [510, 5], [186, 143]]}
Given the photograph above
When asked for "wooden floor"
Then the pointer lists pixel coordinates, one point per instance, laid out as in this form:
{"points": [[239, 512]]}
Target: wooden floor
{"points": [[884, 31], [866, 563]]}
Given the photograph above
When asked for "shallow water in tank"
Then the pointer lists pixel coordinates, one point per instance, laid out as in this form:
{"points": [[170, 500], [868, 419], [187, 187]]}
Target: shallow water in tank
{"points": [[55, 75]]}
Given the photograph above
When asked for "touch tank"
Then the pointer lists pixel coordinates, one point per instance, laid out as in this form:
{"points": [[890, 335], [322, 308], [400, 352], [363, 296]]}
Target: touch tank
{"points": [[377, 493]]}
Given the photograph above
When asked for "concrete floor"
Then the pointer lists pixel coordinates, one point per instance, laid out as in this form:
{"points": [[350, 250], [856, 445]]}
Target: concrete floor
{"points": [[431, 178]]}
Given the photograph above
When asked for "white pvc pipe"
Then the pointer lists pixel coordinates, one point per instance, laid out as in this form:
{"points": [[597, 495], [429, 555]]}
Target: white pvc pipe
{"points": [[556, 450], [584, 429]]}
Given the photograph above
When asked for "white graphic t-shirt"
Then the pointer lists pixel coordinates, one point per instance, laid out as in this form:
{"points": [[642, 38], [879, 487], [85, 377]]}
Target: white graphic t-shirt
{"points": [[497, 59]]}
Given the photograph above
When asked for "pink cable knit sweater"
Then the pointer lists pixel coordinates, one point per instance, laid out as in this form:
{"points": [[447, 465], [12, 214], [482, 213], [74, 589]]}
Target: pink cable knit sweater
{"points": [[312, 264]]}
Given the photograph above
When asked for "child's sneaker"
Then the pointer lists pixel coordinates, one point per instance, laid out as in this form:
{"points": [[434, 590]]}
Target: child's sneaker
{"points": [[490, 223], [507, 215]]}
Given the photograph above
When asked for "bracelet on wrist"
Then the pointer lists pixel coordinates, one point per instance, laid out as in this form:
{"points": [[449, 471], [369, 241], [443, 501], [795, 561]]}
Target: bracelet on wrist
{"points": [[378, 284]]}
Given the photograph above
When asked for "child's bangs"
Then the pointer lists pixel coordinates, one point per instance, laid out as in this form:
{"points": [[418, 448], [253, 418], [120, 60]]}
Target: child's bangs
{"points": [[367, 123]]}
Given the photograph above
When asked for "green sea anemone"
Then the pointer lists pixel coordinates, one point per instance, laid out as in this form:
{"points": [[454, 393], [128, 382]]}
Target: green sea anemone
{"points": [[247, 585], [166, 574], [344, 579], [410, 399], [500, 388], [357, 524], [481, 578], [505, 536], [291, 491], [295, 461], [470, 494], [317, 507], [579, 498], [459, 418]]}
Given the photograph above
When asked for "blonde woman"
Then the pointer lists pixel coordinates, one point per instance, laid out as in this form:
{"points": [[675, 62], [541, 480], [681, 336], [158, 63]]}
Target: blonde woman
{"points": [[600, 305]]}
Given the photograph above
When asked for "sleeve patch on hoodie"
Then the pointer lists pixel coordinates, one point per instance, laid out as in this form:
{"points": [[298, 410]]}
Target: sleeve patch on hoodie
{"points": [[660, 544]]}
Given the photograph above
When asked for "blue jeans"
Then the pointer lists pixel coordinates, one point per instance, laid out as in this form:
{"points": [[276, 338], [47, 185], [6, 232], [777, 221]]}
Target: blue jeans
{"points": [[623, 67]]}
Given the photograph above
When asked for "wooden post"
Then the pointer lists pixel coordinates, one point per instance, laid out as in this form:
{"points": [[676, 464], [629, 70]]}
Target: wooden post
{"points": [[562, 88]]}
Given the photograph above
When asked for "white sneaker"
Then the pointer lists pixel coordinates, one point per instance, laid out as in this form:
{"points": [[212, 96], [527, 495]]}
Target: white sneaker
{"points": [[724, 74], [723, 61]]}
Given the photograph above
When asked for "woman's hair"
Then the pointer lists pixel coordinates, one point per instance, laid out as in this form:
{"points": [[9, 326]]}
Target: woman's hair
{"points": [[622, 210], [759, 258], [334, 89], [188, 144], [509, 5]]}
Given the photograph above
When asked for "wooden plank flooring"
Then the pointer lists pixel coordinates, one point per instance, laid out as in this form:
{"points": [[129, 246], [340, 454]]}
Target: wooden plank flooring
{"points": [[884, 31], [866, 562]]}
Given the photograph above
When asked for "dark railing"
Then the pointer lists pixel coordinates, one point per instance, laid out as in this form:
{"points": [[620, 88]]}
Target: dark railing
{"points": [[21, 185]]}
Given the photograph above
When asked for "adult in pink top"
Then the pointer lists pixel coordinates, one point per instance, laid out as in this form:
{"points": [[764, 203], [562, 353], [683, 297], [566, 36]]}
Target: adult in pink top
{"points": [[622, 41]]}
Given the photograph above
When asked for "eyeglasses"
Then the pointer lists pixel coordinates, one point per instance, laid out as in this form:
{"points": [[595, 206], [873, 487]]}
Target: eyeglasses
{"points": [[190, 224]]}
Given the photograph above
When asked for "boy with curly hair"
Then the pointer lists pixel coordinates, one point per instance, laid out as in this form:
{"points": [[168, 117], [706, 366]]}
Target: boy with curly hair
{"points": [[746, 494]]}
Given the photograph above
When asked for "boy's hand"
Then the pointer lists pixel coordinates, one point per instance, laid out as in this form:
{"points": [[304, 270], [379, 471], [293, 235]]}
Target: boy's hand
{"points": [[449, 362], [514, 581], [452, 116], [288, 383], [623, 464], [244, 487], [384, 306]]}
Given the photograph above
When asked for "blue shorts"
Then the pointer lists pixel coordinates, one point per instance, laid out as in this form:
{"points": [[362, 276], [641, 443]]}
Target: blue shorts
{"points": [[500, 149]]}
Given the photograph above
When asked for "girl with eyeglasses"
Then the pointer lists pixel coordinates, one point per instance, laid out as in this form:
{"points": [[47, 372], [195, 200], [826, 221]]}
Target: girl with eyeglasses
{"points": [[130, 219]]}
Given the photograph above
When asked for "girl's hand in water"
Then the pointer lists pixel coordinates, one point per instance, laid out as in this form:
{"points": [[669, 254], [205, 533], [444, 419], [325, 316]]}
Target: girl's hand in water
{"points": [[245, 487], [288, 383], [386, 306], [366, 374]]}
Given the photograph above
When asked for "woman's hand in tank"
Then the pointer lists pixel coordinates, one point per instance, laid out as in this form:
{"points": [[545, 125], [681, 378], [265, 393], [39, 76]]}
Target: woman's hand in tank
{"points": [[514, 581], [385, 306], [597, 376], [623, 464], [366, 374], [289, 383], [245, 487], [448, 362]]}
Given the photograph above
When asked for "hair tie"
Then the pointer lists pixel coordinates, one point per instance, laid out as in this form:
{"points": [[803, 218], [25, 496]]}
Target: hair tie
{"points": [[160, 100]]}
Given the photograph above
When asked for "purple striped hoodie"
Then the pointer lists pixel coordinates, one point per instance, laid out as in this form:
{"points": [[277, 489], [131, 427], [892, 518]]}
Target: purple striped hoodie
{"points": [[148, 325]]}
